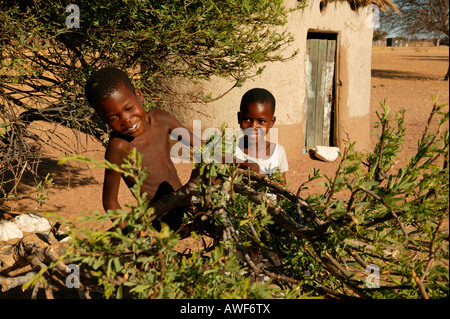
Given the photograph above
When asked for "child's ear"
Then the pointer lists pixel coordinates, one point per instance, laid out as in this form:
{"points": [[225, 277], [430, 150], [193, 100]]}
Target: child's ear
{"points": [[139, 95], [274, 118]]}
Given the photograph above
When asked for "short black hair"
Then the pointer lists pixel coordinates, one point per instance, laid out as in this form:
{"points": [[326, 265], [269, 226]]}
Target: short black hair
{"points": [[257, 95], [103, 82]]}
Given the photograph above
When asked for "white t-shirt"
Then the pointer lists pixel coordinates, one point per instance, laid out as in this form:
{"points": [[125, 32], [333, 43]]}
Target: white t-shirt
{"points": [[268, 165]]}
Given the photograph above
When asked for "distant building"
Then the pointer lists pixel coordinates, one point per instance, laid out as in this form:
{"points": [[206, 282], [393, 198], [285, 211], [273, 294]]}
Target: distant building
{"points": [[405, 42]]}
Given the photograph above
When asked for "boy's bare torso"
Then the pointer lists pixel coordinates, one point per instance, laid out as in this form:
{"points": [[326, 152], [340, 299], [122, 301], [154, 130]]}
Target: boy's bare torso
{"points": [[154, 147]]}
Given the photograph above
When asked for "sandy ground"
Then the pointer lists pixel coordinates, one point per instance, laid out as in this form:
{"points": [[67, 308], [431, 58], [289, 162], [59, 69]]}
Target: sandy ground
{"points": [[403, 77]]}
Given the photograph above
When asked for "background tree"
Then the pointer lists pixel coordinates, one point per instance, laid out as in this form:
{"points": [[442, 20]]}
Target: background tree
{"points": [[46, 58], [418, 18], [379, 35]]}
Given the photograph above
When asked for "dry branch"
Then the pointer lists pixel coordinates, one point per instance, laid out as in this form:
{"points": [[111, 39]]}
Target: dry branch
{"points": [[179, 198], [31, 253], [8, 283]]}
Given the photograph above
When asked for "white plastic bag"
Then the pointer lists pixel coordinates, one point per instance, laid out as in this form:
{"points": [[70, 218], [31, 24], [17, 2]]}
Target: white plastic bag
{"points": [[9, 230], [32, 222], [326, 153]]}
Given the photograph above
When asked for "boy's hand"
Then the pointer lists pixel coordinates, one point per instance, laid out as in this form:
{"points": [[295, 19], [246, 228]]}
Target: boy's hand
{"points": [[253, 166]]}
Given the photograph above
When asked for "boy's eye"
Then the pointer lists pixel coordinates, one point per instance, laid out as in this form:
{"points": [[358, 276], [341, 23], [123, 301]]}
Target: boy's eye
{"points": [[129, 108], [112, 118]]}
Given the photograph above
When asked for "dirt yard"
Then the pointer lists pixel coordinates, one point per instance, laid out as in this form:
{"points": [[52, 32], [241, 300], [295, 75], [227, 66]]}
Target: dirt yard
{"points": [[406, 77]]}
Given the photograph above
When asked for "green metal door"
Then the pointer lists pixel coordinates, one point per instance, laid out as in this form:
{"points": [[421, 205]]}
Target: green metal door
{"points": [[319, 108]]}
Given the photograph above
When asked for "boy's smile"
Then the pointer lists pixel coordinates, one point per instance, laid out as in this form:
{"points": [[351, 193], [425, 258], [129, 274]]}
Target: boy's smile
{"points": [[123, 112], [256, 120]]}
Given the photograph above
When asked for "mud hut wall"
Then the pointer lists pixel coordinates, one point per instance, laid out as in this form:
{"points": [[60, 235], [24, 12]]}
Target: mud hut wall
{"points": [[286, 80]]}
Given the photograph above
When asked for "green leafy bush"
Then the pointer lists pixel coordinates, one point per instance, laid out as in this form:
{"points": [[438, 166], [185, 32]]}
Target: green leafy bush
{"points": [[377, 231]]}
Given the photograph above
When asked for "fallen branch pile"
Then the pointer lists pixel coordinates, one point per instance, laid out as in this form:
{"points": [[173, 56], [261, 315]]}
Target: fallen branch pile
{"points": [[20, 262]]}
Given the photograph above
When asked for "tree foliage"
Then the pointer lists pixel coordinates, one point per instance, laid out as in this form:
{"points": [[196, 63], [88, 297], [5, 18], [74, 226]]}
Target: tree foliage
{"points": [[418, 18], [45, 64], [379, 35]]}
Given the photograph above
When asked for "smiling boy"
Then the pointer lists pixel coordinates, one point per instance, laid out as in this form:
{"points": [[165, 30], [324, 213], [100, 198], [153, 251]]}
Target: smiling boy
{"points": [[110, 92], [256, 117]]}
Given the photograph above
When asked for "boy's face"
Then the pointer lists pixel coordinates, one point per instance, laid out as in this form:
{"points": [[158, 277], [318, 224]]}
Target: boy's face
{"points": [[123, 111], [256, 120]]}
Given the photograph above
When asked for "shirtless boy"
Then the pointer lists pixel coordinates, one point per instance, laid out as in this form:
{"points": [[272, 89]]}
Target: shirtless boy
{"points": [[110, 92]]}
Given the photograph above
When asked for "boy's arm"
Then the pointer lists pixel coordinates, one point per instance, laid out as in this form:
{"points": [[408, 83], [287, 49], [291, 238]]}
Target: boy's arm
{"points": [[114, 154], [253, 166]]}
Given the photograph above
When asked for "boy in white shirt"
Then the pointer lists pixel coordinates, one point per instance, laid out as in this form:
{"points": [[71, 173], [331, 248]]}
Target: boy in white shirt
{"points": [[256, 117]]}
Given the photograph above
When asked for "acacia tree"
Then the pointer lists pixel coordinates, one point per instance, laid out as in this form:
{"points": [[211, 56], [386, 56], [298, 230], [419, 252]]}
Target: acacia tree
{"points": [[46, 58], [419, 18]]}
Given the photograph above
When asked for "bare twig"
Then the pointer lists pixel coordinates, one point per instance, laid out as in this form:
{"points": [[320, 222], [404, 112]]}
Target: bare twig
{"points": [[8, 283]]}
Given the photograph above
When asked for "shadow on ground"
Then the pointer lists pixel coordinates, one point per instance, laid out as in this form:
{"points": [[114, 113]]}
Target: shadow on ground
{"points": [[71, 174], [395, 74]]}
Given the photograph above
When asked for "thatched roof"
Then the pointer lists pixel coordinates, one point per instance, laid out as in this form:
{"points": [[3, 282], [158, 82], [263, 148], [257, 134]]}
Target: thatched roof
{"points": [[355, 4]]}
